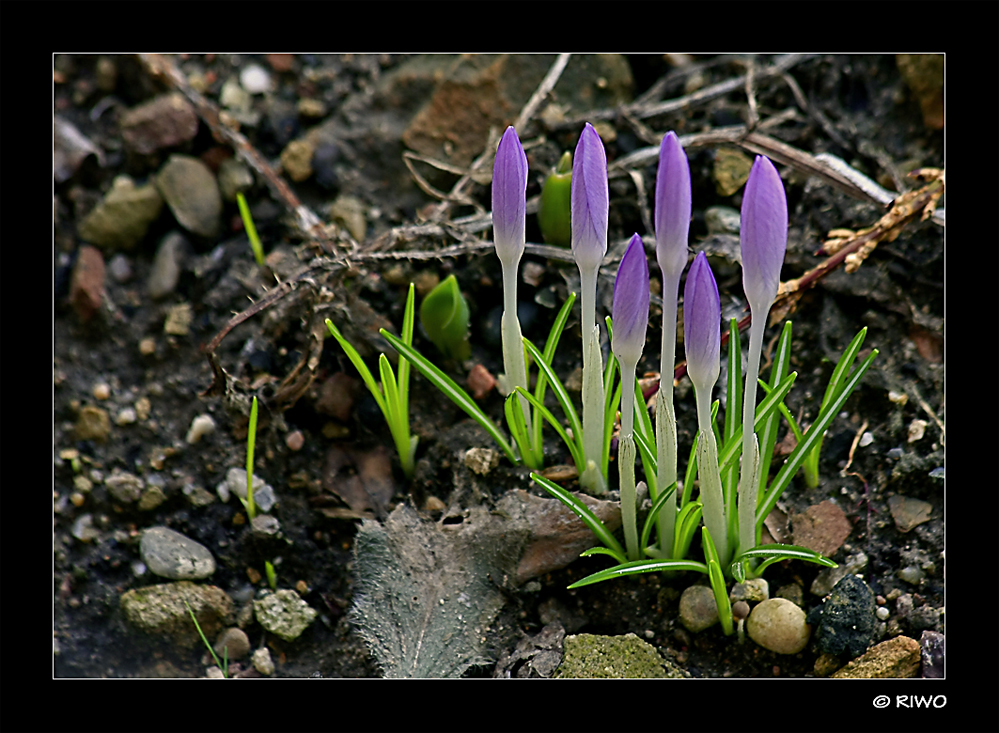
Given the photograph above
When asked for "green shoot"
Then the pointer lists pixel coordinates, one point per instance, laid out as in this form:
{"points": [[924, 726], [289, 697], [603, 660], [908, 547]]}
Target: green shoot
{"points": [[251, 230], [224, 665], [392, 397], [271, 574], [251, 441]]}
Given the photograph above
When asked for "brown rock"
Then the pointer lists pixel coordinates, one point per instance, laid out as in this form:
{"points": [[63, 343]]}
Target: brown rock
{"points": [[86, 288], [557, 535], [93, 423], [161, 123], [822, 528], [908, 513], [480, 381], [898, 657]]}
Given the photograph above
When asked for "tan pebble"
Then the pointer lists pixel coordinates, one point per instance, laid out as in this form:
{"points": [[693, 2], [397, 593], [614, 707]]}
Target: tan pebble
{"points": [[77, 498], [295, 440], [101, 391], [142, 408], [779, 625], [147, 347]]}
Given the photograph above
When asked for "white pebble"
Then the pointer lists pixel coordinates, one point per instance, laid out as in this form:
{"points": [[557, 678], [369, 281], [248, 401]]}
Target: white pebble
{"points": [[201, 425], [255, 79], [866, 439], [917, 428], [126, 417]]}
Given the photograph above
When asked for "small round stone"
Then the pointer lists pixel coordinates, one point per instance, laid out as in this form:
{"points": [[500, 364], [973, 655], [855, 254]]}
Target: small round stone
{"points": [[102, 391], [698, 609], [779, 625], [295, 440]]}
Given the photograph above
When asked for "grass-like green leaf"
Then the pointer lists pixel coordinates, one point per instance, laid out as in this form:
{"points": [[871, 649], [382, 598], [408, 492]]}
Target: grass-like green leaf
{"points": [[251, 229], [718, 586], [843, 366], [687, 520], [518, 429], [585, 513], [771, 554], [794, 461], [539, 389], [637, 567], [767, 432], [558, 389], [732, 449], [361, 367], [251, 442], [575, 449], [455, 393], [650, 520]]}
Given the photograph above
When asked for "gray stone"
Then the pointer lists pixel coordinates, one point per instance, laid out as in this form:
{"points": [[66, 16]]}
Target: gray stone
{"points": [[125, 487], [698, 609], [170, 554], [167, 264], [284, 613], [236, 641], [190, 190]]}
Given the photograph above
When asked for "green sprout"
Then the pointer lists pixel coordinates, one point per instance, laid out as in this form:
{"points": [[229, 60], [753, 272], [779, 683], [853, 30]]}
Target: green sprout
{"points": [[224, 664], [271, 574], [553, 207], [392, 396], [444, 317], [251, 441], [251, 230]]}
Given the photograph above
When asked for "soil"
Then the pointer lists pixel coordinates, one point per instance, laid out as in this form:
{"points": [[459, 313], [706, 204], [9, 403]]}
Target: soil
{"points": [[858, 107]]}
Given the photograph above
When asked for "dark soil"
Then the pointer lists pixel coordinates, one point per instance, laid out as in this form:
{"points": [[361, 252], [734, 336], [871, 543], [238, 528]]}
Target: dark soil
{"points": [[859, 108]]}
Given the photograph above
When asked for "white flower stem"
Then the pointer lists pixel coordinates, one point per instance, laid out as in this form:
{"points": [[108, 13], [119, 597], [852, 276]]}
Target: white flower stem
{"points": [[593, 387], [709, 477], [666, 419], [626, 473], [749, 478], [513, 345]]}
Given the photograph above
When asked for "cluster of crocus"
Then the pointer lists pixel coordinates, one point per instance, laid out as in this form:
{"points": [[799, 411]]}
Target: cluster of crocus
{"points": [[732, 514]]}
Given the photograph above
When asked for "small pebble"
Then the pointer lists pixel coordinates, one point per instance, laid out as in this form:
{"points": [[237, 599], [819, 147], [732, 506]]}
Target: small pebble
{"points": [[779, 625], [147, 347], [882, 613], [170, 554], [698, 609], [101, 391], [201, 425], [262, 661], [295, 440], [866, 439], [126, 416], [236, 641], [917, 428], [255, 79]]}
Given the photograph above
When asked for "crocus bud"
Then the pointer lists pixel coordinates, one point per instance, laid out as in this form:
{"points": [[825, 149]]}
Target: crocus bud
{"points": [[763, 234], [509, 198], [589, 200], [701, 324], [631, 305], [673, 204]]}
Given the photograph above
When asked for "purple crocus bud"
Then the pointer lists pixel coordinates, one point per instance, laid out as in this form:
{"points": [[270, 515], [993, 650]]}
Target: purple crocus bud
{"points": [[763, 235], [509, 198], [701, 324], [631, 304], [589, 200], [673, 204]]}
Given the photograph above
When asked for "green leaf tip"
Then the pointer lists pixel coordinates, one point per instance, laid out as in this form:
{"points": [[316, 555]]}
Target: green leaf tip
{"points": [[444, 315], [553, 208]]}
